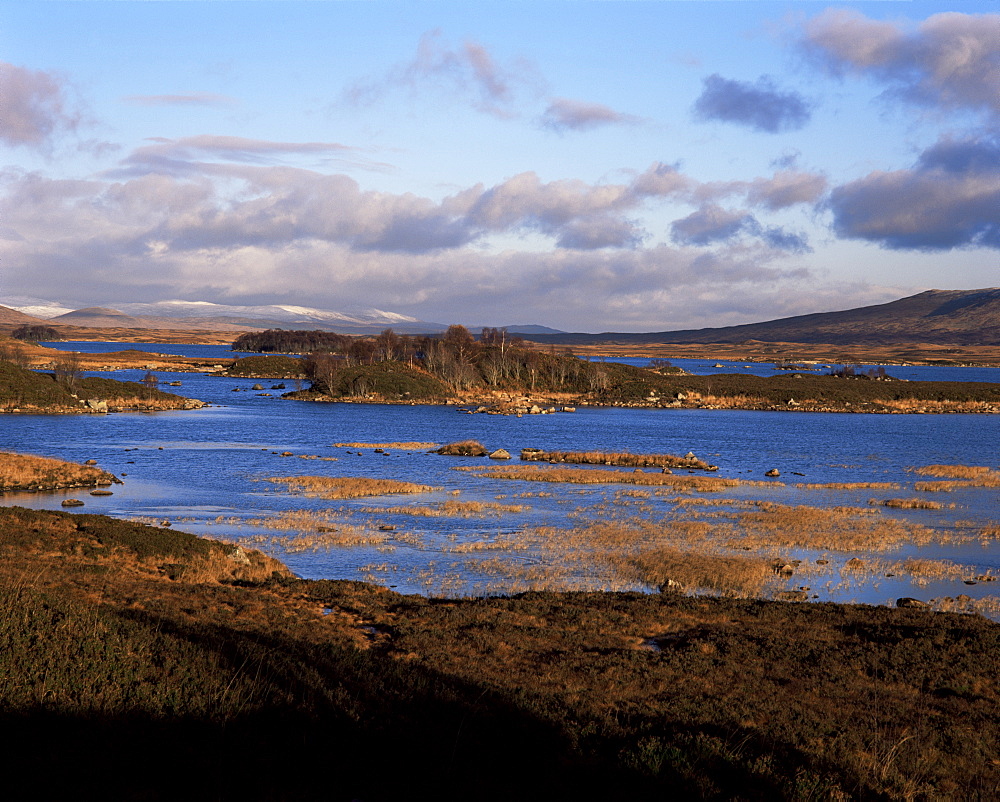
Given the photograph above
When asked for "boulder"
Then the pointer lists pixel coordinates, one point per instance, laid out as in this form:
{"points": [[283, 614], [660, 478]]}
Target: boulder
{"points": [[907, 601], [500, 453], [97, 406], [72, 502]]}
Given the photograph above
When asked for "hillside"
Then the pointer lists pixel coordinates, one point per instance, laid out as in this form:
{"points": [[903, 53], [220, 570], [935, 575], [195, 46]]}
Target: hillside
{"points": [[137, 657], [11, 319], [952, 317]]}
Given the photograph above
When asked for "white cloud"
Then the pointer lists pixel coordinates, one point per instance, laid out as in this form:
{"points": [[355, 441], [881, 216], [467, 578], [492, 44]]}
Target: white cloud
{"points": [[34, 107]]}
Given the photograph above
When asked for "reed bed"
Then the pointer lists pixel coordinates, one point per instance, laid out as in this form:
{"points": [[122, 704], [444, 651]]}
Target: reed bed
{"points": [[414, 445], [911, 504], [536, 473], [619, 459], [28, 472], [451, 509], [342, 536], [345, 487], [954, 477], [463, 448], [834, 529], [725, 575], [848, 486]]}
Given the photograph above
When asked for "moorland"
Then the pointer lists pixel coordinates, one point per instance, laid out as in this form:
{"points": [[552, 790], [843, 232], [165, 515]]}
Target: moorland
{"points": [[137, 657]]}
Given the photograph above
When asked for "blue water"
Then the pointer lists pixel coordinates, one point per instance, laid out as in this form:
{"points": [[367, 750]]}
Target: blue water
{"points": [[200, 351], [204, 470], [699, 367], [706, 367]]}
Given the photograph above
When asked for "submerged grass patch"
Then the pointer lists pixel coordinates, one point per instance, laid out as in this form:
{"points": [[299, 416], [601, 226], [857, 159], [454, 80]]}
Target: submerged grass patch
{"points": [[590, 476], [344, 487], [620, 459], [451, 509]]}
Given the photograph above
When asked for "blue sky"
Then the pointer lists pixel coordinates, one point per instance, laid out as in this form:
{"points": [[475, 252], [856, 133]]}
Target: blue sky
{"points": [[591, 166]]}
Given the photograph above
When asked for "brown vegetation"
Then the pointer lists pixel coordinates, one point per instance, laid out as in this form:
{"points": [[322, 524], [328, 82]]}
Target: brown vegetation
{"points": [[536, 473], [27, 472], [450, 509], [620, 459], [114, 657], [463, 448], [335, 487]]}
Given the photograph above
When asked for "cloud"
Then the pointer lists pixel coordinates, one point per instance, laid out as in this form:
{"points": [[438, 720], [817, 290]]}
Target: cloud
{"points": [[184, 99], [786, 188], [469, 70], [949, 199], [948, 61], [190, 155], [711, 224], [760, 106], [248, 230], [34, 107], [564, 114]]}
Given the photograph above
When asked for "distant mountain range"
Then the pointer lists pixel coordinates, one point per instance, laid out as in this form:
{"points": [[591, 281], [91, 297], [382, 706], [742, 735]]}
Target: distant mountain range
{"points": [[943, 317], [956, 317], [205, 316]]}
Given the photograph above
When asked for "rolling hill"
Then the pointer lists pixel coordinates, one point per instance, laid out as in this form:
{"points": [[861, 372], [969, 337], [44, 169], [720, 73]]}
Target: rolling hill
{"points": [[952, 317]]}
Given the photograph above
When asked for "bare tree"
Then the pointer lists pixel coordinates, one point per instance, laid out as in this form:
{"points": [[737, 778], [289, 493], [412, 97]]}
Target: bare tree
{"points": [[68, 370]]}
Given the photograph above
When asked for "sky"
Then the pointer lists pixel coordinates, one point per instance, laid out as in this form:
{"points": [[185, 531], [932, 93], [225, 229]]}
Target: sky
{"points": [[590, 166]]}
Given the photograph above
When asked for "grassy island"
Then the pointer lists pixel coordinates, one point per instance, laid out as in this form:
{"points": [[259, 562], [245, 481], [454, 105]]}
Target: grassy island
{"points": [[66, 391], [135, 658]]}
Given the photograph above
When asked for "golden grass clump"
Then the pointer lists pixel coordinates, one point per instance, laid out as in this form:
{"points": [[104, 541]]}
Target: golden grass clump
{"points": [[834, 529], [849, 486], [621, 459], [953, 471], [451, 509], [28, 472], [536, 473], [955, 477], [343, 487], [463, 448], [911, 504], [668, 568]]}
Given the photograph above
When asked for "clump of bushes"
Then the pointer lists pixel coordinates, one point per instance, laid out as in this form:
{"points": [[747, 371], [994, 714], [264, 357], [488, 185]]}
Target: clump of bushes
{"points": [[463, 448], [267, 367]]}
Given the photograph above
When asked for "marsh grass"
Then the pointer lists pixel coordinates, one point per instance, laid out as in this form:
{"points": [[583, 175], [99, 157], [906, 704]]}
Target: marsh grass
{"points": [[911, 504], [849, 486], [451, 509], [955, 477], [106, 669], [463, 448], [726, 575], [536, 473], [342, 536], [346, 487], [28, 472], [833, 529], [619, 459]]}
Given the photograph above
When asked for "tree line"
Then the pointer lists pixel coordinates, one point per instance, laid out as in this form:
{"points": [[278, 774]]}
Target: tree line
{"points": [[496, 359]]}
